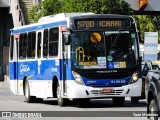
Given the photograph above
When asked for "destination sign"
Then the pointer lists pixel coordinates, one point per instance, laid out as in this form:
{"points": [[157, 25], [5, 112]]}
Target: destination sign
{"points": [[102, 23]]}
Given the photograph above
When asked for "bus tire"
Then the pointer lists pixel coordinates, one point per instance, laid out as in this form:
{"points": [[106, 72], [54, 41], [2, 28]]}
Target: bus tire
{"points": [[118, 101], [153, 110], [134, 100], [61, 101], [28, 98]]}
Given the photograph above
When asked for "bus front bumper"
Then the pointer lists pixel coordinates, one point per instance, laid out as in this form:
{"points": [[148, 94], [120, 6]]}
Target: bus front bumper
{"points": [[75, 90]]}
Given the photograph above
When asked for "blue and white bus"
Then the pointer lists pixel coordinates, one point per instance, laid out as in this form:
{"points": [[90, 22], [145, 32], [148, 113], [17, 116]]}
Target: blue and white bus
{"points": [[76, 56]]}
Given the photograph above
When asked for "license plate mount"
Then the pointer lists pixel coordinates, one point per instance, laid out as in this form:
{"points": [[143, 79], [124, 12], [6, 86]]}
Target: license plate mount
{"points": [[107, 90]]}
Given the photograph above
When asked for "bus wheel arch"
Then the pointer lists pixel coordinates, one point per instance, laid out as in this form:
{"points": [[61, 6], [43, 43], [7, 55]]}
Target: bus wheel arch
{"points": [[61, 101], [28, 97], [24, 80], [56, 92], [54, 86]]}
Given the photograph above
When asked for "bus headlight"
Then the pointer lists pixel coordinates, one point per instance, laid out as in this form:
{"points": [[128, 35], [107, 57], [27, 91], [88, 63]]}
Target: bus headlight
{"points": [[77, 78], [134, 77]]}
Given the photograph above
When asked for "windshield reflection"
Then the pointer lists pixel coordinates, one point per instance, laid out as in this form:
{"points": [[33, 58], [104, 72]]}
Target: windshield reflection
{"points": [[101, 50]]}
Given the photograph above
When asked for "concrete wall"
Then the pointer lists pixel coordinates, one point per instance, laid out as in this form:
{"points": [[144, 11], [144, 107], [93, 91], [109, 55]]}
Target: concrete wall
{"points": [[133, 3], [153, 5], [36, 2], [5, 3], [5, 59], [17, 15], [6, 25]]}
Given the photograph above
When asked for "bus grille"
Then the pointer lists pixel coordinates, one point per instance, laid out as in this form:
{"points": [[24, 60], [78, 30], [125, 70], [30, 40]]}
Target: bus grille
{"points": [[99, 92]]}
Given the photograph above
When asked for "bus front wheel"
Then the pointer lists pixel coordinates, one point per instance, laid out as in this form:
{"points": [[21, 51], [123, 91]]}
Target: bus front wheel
{"points": [[61, 101], [118, 101], [28, 97]]}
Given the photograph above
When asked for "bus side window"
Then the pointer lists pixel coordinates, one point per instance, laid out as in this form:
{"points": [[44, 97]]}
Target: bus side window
{"points": [[53, 42], [45, 43], [22, 46], [11, 47], [39, 46], [31, 45], [25, 46]]}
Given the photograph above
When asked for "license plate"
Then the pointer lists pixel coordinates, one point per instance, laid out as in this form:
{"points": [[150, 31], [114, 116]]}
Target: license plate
{"points": [[107, 90]]}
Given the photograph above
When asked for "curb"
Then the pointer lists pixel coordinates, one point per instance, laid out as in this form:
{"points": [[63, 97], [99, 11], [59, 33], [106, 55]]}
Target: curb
{"points": [[5, 83]]}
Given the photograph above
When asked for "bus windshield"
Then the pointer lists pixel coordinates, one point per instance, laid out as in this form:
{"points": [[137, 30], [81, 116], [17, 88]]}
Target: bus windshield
{"points": [[104, 49]]}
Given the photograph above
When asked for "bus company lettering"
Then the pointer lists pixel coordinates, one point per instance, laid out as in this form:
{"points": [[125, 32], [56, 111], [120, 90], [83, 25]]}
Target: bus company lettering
{"points": [[109, 71], [151, 44], [24, 68], [118, 81], [103, 23], [110, 23]]}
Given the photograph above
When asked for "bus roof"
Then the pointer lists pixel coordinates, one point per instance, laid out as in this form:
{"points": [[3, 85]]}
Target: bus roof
{"points": [[62, 15], [57, 20], [47, 21], [37, 26]]}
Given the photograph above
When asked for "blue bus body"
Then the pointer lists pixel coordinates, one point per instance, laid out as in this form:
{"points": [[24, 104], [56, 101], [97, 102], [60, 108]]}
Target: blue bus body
{"points": [[98, 78]]}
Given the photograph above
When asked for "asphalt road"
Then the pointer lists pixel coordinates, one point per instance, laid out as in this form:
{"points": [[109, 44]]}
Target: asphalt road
{"points": [[101, 109]]}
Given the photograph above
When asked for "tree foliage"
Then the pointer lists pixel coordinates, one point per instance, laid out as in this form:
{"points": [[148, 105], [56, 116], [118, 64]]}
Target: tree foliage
{"points": [[49, 7], [147, 23]]}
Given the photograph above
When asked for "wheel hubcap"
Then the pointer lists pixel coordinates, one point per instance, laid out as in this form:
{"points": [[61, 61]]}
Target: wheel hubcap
{"points": [[58, 95], [152, 112]]}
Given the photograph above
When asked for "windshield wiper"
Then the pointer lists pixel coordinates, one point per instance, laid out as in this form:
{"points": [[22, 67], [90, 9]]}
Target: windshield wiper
{"points": [[116, 38]]}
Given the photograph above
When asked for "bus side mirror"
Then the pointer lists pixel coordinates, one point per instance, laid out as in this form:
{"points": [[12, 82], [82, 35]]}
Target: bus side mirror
{"points": [[67, 38]]}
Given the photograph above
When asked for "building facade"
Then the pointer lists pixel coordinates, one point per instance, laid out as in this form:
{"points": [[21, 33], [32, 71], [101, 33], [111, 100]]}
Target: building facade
{"points": [[6, 23], [13, 13]]}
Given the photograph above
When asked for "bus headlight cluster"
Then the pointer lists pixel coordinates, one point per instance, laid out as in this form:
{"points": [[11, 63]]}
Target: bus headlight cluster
{"points": [[77, 78], [134, 77]]}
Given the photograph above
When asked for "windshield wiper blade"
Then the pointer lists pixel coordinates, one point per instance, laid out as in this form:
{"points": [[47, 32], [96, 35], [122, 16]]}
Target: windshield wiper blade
{"points": [[116, 38]]}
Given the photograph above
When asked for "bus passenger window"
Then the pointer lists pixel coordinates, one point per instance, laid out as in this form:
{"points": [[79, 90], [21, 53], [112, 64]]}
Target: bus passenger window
{"points": [[31, 45], [39, 46], [45, 43], [53, 42], [11, 47], [22, 46]]}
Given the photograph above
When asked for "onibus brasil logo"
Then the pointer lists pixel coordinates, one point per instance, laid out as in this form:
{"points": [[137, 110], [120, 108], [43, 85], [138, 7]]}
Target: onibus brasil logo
{"points": [[24, 68]]}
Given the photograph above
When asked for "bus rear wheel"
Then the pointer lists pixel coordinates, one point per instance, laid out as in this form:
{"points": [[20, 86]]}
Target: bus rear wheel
{"points": [[118, 101], [28, 97], [61, 101]]}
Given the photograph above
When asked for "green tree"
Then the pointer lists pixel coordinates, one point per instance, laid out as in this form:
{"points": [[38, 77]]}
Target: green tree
{"points": [[147, 23], [97, 6], [49, 7]]}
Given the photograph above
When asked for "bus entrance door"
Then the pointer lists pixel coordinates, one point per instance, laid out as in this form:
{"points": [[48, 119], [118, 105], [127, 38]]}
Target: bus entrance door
{"points": [[15, 64], [65, 65]]}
